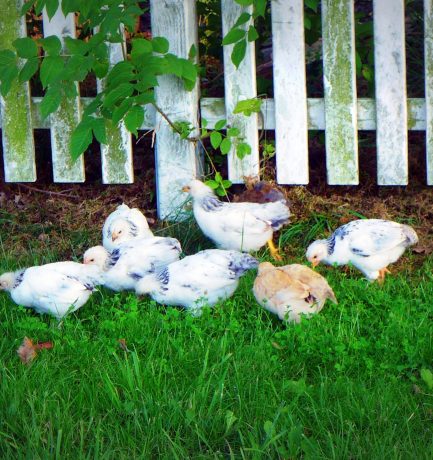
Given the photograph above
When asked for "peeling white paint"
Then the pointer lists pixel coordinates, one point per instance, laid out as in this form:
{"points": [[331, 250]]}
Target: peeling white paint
{"points": [[428, 57]]}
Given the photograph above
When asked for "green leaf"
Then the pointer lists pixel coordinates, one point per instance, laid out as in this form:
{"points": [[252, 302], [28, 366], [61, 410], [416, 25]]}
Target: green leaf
{"points": [[220, 124], [145, 98], [225, 146], [134, 119], [227, 183], [119, 112], [215, 139], [233, 132], [100, 68], [122, 72], [7, 76], [26, 7], [51, 69], [244, 2], [189, 70], [26, 47], [238, 52], [76, 46], [51, 101], [212, 184], [307, 22], [51, 7], [140, 48], [248, 106], [52, 45], [93, 106], [233, 36], [99, 131], [269, 428], [427, 376], [81, 137], [312, 4], [204, 122], [242, 19], [70, 6], [259, 8], [160, 45], [122, 91], [192, 52], [7, 58], [242, 150], [76, 68], [252, 34], [28, 70]]}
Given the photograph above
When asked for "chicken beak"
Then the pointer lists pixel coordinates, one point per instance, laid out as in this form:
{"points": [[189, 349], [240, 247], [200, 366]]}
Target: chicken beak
{"points": [[186, 188], [85, 261], [315, 263], [114, 236]]}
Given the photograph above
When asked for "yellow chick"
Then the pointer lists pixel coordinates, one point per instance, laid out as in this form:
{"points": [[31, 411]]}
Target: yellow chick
{"points": [[291, 290]]}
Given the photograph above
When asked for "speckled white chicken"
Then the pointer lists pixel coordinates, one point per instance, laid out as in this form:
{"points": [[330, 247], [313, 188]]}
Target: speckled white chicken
{"points": [[122, 225], [132, 260], [201, 279], [57, 289], [291, 291], [239, 226], [369, 244]]}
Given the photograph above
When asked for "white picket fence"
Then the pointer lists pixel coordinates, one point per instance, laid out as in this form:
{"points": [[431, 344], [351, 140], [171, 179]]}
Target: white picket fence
{"points": [[291, 114]]}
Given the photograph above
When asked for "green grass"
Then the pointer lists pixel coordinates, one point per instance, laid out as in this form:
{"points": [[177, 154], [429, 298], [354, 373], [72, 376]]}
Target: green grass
{"points": [[233, 383]]}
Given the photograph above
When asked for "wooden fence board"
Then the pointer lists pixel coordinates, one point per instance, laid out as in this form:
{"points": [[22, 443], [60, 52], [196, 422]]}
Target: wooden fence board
{"points": [[240, 84], [65, 119], [290, 92], [116, 154], [390, 79], [428, 57], [177, 160], [18, 144], [340, 91]]}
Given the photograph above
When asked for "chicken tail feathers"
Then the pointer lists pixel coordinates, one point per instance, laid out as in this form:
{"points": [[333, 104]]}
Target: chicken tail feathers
{"points": [[241, 262]]}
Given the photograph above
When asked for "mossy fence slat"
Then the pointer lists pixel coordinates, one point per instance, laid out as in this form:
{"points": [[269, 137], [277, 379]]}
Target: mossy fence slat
{"points": [[65, 119], [290, 113]]}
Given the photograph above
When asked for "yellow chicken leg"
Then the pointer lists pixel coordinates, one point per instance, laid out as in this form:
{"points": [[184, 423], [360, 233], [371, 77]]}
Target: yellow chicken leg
{"points": [[274, 251], [382, 273]]}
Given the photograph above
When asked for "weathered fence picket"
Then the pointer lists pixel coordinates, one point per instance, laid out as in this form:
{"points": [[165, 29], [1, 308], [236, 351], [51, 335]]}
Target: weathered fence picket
{"points": [[116, 154], [291, 113], [240, 84], [65, 119], [428, 57], [339, 77], [290, 90], [16, 123], [177, 161], [390, 79]]}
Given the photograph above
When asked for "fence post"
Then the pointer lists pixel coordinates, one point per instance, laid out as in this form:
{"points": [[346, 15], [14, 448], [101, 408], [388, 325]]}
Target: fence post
{"points": [[15, 108], [177, 161]]}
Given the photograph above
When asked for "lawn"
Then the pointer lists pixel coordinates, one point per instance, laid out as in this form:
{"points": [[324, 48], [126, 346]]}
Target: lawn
{"points": [[353, 382]]}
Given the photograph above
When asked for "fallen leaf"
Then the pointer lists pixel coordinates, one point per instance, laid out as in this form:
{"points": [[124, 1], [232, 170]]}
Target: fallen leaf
{"points": [[27, 351], [423, 250], [277, 346], [122, 344]]}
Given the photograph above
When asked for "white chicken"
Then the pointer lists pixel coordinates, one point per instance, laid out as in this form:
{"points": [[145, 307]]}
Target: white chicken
{"points": [[291, 291], [132, 260], [369, 244], [57, 289], [239, 226], [201, 279], [122, 225]]}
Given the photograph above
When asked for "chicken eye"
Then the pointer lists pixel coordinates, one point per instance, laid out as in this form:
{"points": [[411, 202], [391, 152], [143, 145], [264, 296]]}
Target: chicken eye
{"points": [[120, 231], [92, 260]]}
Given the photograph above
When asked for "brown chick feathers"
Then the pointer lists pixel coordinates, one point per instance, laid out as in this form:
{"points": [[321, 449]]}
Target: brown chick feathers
{"points": [[291, 290]]}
